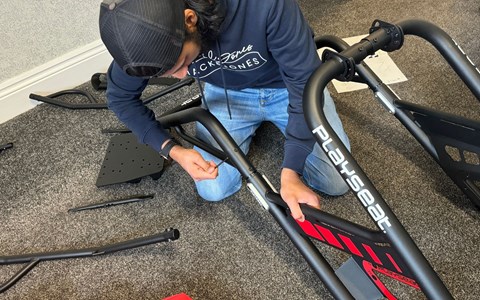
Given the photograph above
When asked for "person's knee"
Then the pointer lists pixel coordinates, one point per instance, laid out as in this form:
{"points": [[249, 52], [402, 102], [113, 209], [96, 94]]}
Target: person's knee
{"points": [[211, 191], [326, 179], [212, 196], [337, 188], [332, 186]]}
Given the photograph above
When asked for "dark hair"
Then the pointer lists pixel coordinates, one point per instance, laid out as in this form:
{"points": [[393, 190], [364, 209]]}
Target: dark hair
{"points": [[210, 14]]}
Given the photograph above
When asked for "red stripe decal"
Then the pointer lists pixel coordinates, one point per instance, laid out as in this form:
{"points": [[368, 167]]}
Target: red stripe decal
{"points": [[394, 263], [328, 235], [372, 254], [350, 245], [310, 230]]}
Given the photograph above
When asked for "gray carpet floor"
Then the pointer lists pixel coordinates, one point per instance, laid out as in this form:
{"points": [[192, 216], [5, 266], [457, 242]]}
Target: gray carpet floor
{"points": [[233, 249]]}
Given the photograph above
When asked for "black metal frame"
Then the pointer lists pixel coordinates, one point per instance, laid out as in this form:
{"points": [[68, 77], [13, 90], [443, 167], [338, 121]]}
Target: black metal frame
{"points": [[434, 130], [389, 250], [381, 37], [94, 104], [32, 259], [375, 248]]}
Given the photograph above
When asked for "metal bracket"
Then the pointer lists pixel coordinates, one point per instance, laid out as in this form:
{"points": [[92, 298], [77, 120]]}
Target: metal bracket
{"points": [[347, 62], [395, 32]]}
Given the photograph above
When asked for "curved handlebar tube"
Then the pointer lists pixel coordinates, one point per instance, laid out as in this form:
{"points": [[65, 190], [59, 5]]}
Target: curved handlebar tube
{"points": [[347, 167], [448, 48]]}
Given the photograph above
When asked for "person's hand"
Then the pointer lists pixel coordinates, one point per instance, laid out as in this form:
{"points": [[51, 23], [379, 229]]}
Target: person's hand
{"points": [[193, 163], [294, 192]]}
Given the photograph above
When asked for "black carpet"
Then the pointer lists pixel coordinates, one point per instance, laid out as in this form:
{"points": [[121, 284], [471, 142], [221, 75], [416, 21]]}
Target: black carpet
{"points": [[233, 249]]}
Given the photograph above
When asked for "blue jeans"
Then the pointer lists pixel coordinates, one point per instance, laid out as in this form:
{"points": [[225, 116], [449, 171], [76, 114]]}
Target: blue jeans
{"points": [[250, 107]]}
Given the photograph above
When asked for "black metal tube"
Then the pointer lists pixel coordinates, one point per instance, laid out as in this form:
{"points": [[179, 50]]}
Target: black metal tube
{"points": [[127, 200], [169, 235], [367, 46], [331, 41], [374, 204], [64, 104], [448, 48], [27, 268], [166, 236], [201, 144], [382, 90], [192, 102], [224, 140], [6, 146], [169, 89], [50, 99], [34, 258]]}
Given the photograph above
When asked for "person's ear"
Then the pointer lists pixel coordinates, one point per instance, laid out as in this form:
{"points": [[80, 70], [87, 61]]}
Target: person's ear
{"points": [[191, 20]]}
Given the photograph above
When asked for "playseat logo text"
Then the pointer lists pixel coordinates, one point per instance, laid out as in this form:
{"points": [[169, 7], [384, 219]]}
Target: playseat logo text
{"points": [[188, 101], [353, 180]]}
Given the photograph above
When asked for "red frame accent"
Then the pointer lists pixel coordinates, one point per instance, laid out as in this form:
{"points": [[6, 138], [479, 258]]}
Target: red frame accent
{"points": [[394, 263], [309, 229], [350, 245], [372, 254], [328, 235], [370, 269]]}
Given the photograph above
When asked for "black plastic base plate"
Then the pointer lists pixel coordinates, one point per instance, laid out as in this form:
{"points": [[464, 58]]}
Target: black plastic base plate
{"points": [[128, 161]]}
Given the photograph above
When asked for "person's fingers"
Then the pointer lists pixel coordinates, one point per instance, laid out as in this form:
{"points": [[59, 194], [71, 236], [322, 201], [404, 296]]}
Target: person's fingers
{"points": [[211, 170], [211, 167], [310, 199], [297, 212], [295, 209], [202, 163], [201, 174]]}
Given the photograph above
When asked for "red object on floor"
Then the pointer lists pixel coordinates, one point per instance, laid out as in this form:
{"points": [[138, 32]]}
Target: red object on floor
{"points": [[181, 296]]}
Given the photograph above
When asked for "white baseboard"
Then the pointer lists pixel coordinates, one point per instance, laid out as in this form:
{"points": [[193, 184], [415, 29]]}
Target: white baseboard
{"points": [[65, 72]]}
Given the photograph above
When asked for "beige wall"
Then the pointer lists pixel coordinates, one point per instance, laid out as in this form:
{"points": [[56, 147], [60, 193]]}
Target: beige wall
{"points": [[36, 32]]}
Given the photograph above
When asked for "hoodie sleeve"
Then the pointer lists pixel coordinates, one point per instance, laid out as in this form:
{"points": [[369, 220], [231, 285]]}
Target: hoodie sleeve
{"points": [[123, 97], [290, 40]]}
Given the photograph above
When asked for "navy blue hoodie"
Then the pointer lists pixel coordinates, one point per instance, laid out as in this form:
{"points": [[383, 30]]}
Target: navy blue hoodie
{"points": [[263, 44]]}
